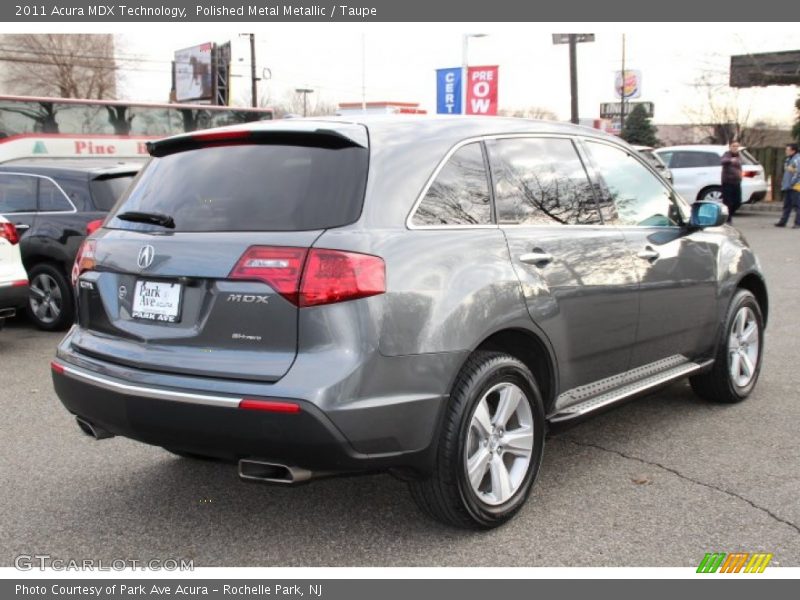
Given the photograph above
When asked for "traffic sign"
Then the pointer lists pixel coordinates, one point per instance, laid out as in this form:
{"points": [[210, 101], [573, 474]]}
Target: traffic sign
{"points": [[563, 38]]}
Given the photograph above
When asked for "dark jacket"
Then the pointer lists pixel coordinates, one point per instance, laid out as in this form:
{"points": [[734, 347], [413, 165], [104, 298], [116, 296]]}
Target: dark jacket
{"points": [[731, 168]]}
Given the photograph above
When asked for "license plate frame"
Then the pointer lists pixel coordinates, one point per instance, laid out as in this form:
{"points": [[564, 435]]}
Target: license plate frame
{"points": [[157, 313]]}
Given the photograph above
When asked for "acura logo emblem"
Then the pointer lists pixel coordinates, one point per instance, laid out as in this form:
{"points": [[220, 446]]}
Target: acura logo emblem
{"points": [[146, 255]]}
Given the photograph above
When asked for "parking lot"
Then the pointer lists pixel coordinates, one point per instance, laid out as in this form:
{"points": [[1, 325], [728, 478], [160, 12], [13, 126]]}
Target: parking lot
{"points": [[657, 482]]}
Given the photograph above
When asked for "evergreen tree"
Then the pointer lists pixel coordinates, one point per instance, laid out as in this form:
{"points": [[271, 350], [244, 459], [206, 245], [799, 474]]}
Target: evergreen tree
{"points": [[638, 128]]}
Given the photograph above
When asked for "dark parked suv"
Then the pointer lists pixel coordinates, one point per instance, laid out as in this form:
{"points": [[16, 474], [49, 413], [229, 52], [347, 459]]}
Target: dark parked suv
{"points": [[51, 202], [418, 295]]}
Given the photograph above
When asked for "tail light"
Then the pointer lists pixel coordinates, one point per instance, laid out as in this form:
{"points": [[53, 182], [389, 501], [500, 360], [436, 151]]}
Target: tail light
{"points": [[313, 277], [9, 232], [749, 173], [93, 226], [85, 260]]}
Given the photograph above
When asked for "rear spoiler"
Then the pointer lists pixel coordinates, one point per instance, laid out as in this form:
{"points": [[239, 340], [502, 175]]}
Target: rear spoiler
{"points": [[315, 138]]}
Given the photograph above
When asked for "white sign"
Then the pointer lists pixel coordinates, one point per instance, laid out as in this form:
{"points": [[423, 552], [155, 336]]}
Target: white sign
{"points": [[193, 73]]}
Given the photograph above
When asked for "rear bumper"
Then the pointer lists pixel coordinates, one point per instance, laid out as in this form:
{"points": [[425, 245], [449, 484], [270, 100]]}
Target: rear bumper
{"points": [[756, 196], [13, 296], [213, 424]]}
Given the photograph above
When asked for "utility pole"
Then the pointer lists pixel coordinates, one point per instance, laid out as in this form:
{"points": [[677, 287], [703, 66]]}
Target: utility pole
{"points": [[573, 77], [253, 78]]}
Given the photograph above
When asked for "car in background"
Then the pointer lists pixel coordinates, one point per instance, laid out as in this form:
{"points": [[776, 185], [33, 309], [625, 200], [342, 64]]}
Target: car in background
{"points": [[655, 161], [13, 279], [51, 204], [697, 172]]}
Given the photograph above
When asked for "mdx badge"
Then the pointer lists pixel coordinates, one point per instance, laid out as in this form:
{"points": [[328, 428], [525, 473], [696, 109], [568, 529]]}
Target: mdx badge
{"points": [[146, 256], [248, 299]]}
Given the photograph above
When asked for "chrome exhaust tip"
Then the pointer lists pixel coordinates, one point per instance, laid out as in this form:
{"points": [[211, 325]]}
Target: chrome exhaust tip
{"points": [[94, 431], [269, 472]]}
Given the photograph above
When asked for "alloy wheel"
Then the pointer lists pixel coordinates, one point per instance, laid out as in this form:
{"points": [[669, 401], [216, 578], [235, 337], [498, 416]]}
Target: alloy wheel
{"points": [[499, 444], [743, 347], [45, 298]]}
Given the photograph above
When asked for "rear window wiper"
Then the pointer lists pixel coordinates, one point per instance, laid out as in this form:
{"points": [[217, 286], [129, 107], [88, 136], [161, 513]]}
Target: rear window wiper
{"points": [[147, 217]]}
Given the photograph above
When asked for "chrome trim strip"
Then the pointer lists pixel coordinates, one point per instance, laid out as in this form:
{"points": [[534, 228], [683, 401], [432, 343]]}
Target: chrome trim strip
{"points": [[627, 391], [149, 392]]}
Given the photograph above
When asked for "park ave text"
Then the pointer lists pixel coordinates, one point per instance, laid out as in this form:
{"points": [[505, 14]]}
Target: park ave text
{"points": [[117, 11]]}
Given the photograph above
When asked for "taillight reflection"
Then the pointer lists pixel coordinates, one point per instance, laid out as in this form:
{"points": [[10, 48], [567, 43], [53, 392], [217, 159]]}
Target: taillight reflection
{"points": [[9, 232]]}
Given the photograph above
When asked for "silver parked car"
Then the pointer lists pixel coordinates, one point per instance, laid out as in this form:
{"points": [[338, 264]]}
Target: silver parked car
{"points": [[424, 296]]}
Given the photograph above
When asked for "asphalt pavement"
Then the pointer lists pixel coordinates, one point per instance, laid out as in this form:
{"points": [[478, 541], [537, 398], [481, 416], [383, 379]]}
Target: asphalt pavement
{"points": [[656, 482]]}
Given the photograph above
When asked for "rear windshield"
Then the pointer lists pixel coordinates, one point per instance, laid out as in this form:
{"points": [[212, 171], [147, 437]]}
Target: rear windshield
{"points": [[250, 188], [107, 190]]}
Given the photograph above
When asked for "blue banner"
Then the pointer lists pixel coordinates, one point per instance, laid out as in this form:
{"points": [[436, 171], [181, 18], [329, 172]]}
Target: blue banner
{"points": [[448, 91]]}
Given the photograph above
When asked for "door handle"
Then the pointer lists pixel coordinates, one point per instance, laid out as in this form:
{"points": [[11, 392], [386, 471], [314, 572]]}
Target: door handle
{"points": [[537, 257], [648, 254], [22, 226]]}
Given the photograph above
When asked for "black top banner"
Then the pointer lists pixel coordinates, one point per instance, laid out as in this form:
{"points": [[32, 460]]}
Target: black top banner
{"points": [[49, 11]]}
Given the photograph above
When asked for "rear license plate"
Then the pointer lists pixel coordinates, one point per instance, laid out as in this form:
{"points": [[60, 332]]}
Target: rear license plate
{"points": [[157, 301]]}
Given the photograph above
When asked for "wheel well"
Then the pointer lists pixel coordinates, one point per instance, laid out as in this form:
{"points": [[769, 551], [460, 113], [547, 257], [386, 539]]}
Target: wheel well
{"points": [[529, 349], [755, 285], [32, 261], [705, 189]]}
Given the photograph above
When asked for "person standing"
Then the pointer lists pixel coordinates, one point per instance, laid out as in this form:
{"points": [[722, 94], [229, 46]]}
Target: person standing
{"points": [[732, 179], [790, 184]]}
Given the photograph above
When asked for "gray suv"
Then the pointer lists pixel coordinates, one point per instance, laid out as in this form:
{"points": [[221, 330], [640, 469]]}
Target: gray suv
{"points": [[423, 296]]}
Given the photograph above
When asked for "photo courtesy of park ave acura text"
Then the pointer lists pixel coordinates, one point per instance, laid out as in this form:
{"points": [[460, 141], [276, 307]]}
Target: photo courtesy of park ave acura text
{"points": [[308, 285]]}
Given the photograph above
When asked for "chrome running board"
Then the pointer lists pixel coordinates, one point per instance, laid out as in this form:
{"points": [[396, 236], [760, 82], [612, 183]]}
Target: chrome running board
{"points": [[589, 398]]}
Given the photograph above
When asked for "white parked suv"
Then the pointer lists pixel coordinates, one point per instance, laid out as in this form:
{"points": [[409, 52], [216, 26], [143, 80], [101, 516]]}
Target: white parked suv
{"points": [[697, 172], [13, 279]]}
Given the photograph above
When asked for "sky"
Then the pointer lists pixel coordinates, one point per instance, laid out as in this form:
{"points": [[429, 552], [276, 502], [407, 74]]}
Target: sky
{"points": [[398, 62]]}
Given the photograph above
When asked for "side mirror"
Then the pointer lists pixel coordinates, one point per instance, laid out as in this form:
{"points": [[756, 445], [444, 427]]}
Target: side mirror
{"points": [[708, 214]]}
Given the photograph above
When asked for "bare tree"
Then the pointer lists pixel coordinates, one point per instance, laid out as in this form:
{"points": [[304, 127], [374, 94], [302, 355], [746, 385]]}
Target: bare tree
{"points": [[66, 65], [721, 111], [531, 112], [315, 106]]}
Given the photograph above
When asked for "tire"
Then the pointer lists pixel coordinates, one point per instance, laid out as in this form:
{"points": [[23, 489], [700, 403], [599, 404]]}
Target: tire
{"points": [[449, 494], [711, 194], [51, 304], [735, 372]]}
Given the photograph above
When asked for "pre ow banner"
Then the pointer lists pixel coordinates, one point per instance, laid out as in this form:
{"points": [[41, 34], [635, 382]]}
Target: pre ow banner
{"points": [[481, 91]]}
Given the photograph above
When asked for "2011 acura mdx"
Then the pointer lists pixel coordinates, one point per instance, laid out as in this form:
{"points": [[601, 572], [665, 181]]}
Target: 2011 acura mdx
{"points": [[424, 296]]}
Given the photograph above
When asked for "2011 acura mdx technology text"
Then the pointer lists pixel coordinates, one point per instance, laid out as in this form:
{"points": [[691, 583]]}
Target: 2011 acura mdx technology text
{"points": [[424, 296]]}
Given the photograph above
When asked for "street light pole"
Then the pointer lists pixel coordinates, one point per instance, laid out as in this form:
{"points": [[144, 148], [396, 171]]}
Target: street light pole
{"points": [[305, 92], [465, 66], [573, 39], [573, 77]]}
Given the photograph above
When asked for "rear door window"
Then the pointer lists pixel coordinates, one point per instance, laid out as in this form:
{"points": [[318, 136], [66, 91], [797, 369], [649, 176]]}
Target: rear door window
{"points": [[541, 181], [460, 193], [52, 198], [259, 187], [17, 193], [694, 160]]}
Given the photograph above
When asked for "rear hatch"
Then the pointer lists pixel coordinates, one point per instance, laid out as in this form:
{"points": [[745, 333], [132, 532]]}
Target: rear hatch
{"points": [[198, 267]]}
